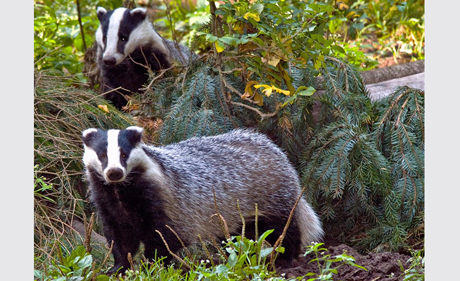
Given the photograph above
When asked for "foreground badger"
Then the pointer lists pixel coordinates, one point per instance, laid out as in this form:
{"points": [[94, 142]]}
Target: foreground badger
{"points": [[127, 45], [138, 188]]}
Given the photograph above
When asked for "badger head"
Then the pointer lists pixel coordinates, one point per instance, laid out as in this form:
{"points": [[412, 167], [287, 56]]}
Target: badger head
{"points": [[121, 31], [112, 154]]}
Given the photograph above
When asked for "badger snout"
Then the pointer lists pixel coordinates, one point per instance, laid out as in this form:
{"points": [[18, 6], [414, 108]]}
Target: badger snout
{"points": [[109, 60], [114, 175]]}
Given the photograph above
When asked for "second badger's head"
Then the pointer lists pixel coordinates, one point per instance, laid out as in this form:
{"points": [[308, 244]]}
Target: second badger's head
{"points": [[121, 31], [113, 154]]}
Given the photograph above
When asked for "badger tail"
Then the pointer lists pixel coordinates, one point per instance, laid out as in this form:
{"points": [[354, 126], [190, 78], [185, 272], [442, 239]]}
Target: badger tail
{"points": [[309, 224]]}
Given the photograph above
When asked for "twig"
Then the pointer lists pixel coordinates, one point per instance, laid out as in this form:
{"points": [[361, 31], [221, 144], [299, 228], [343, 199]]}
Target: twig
{"points": [[170, 252], [256, 224], [218, 247], [243, 228], [81, 26], [180, 240], [130, 260], [278, 242], [262, 115], [206, 250], [222, 221], [88, 230], [108, 255]]}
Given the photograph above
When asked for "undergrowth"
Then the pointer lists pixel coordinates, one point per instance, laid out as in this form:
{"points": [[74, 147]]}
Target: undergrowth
{"points": [[239, 258], [62, 109]]}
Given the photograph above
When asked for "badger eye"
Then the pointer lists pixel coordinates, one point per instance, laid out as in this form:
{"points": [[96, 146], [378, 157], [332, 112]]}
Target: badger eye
{"points": [[122, 38], [103, 155], [123, 155]]}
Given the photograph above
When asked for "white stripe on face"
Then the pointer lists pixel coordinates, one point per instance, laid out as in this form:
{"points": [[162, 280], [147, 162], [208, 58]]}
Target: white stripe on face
{"points": [[90, 159], [113, 153], [112, 35]]}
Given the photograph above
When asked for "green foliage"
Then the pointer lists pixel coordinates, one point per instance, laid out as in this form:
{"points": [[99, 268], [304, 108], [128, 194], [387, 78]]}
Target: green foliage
{"points": [[179, 20], [246, 260], [41, 187], [77, 266], [59, 42], [326, 262], [368, 164], [416, 270], [390, 26]]}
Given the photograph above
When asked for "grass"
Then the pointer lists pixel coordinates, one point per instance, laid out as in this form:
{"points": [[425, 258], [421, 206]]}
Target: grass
{"points": [[62, 109]]}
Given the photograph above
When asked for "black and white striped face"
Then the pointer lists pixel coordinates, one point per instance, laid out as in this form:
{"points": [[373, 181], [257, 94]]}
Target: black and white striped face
{"points": [[112, 154], [122, 31]]}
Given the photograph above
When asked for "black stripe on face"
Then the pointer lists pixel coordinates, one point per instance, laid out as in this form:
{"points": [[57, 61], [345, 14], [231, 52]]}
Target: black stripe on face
{"points": [[97, 141], [128, 23], [127, 140], [104, 19]]}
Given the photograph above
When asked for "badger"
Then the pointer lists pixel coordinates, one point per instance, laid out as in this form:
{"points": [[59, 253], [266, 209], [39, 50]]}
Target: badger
{"points": [[127, 46], [139, 189]]}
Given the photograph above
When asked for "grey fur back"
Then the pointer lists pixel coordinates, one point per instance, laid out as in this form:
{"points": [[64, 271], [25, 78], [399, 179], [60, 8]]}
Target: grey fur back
{"points": [[179, 52], [239, 165]]}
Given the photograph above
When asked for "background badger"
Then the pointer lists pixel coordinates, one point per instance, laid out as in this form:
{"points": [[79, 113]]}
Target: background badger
{"points": [[126, 44], [138, 189]]}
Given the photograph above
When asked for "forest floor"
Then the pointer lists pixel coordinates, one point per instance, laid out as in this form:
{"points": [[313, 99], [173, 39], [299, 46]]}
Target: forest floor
{"points": [[380, 266]]}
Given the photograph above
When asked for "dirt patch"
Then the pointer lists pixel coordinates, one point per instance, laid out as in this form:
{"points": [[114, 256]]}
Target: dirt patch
{"points": [[380, 266]]}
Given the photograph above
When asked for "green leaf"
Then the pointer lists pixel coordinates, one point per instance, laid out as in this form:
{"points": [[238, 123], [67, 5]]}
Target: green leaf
{"points": [[85, 262], [228, 40], [259, 42], [274, 8], [264, 236], [221, 268], [305, 91], [265, 252], [256, 9], [338, 49], [211, 38], [102, 277], [232, 259]]}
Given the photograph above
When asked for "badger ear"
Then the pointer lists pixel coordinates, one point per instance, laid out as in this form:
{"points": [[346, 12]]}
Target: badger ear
{"points": [[134, 134], [101, 12], [88, 136], [139, 13]]}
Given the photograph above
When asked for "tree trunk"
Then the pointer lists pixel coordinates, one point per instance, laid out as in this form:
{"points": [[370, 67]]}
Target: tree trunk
{"points": [[392, 72]]}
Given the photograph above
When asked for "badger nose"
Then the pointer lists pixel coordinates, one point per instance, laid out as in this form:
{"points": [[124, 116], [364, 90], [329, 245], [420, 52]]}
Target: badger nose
{"points": [[109, 60], [114, 174]]}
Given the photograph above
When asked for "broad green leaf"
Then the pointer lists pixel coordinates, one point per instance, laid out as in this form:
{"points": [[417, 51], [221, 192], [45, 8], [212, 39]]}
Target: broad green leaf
{"points": [[265, 252], [232, 259], [274, 7], [338, 49], [221, 268], [304, 91], [228, 40], [211, 38], [256, 9]]}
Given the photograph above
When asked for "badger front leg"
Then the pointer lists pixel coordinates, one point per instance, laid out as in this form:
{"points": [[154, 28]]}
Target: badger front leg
{"points": [[123, 244], [155, 247], [123, 231]]}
